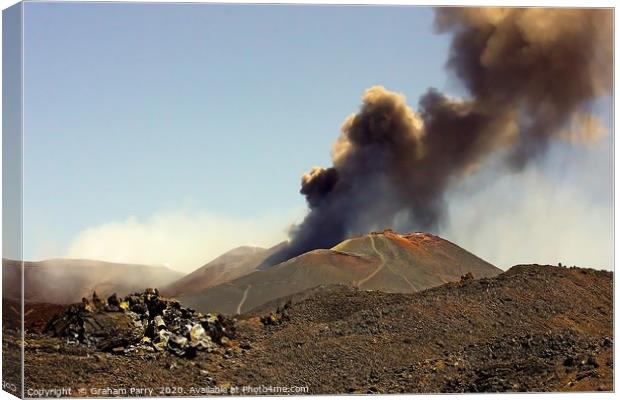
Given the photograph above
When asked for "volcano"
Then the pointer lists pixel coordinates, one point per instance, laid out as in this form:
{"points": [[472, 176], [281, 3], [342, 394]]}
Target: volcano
{"points": [[385, 261]]}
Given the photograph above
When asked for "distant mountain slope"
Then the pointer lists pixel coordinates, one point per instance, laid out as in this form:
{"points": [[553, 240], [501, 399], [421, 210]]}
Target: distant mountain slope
{"points": [[230, 265], [64, 281], [383, 261]]}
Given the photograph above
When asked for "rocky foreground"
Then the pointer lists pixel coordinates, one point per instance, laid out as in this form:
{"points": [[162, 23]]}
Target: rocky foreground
{"points": [[532, 328], [140, 323]]}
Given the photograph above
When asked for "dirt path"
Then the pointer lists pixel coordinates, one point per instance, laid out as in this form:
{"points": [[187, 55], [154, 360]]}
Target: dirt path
{"points": [[379, 268], [404, 277], [243, 298]]}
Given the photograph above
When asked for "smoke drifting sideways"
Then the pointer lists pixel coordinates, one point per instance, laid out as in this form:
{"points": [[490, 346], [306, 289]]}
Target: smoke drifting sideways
{"points": [[531, 77]]}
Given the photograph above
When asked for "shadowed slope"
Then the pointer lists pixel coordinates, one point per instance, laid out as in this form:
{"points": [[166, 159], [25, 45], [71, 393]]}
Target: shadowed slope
{"points": [[230, 265]]}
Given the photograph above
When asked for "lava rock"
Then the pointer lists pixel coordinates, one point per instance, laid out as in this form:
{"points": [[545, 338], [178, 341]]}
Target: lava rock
{"points": [[141, 321]]}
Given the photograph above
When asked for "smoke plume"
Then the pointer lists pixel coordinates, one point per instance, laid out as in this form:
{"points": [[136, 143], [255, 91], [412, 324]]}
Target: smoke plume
{"points": [[531, 76]]}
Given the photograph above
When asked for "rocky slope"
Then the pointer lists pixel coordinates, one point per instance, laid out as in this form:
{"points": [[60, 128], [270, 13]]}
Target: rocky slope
{"points": [[532, 328], [383, 261]]}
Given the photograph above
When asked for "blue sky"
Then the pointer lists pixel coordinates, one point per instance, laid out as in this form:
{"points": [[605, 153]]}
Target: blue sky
{"points": [[141, 113]]}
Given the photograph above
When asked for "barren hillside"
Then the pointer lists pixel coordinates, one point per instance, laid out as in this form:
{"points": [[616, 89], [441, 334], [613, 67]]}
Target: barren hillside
{"points": [[383, 261]]}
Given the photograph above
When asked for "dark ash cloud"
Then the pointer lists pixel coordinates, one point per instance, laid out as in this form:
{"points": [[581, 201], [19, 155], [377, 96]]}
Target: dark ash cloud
{"points": [[530, 74]]}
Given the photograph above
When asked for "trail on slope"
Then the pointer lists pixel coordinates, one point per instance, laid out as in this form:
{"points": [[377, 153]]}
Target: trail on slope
{"points": [[404, 277], [243, 299], [379, 268]]}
